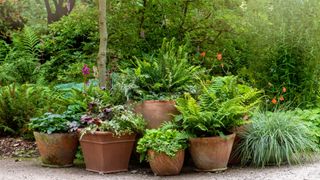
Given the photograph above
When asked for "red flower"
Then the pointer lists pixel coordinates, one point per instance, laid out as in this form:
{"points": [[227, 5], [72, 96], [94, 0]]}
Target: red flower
{"points": [[203, 54], [284, 89], [281, 98], [219, 56], [274, 101]]}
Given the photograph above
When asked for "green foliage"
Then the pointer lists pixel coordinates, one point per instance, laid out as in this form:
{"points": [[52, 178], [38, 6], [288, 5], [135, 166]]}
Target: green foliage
{"points": [[164, 75], [274, 139], [73, 39], [162, 141], [220, 107], [311, 117], [19, 103], [283, 49], [10, 18], [119, 120], [56, 123]]}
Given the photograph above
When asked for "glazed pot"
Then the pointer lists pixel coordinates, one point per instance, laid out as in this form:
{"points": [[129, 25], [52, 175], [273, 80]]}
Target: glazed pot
{"points": [[211, 153], [164, 165], [57, 149], [105, 153], [155, 112]]}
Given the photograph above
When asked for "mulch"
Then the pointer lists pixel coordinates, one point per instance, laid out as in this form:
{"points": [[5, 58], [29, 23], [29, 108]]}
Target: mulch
{"points": [[17, 148]]}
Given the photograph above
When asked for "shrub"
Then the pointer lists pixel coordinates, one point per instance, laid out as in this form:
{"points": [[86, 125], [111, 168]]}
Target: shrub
{"points": [[275, 138], [19, 103]]}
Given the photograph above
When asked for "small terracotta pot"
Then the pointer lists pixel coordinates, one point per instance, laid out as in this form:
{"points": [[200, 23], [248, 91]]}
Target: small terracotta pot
{"points": [[105, 153], [155, 112], [58, 149], [164, 165], [211, 153]]}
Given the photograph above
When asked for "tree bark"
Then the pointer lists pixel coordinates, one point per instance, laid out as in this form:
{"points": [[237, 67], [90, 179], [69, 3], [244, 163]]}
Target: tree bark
{"points": [[102, 56]]}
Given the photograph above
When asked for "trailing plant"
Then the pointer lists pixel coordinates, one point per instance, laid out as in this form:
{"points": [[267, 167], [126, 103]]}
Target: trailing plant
{"points": [[275, 138], [50, 123], [166, 141], [164, 75], [118, 120], [222, 106]]}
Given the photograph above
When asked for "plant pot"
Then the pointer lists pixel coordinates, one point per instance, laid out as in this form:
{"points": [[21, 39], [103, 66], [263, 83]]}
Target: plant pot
{"points": [[155, 112], [105, 153], [234, 157], [164, 165], [211, 153], [58, 149]]}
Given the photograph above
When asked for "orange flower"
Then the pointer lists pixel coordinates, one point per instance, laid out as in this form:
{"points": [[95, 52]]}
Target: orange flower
{"points": [[219, 56], [203, 54], [274, 101], [284, 89], [281, 98]]}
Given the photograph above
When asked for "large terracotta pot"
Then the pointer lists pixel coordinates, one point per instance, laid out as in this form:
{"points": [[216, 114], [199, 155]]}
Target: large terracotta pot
{"points": [[105, 153], [57, 149], [211, 153], [155, 112], [164, 165]]}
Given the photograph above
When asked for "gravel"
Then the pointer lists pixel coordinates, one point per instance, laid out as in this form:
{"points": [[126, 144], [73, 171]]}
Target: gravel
{"points": [[31, 169]]}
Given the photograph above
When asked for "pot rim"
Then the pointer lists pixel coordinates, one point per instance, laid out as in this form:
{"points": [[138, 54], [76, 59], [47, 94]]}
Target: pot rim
{"points": [[229, 136], [55, 133], [159, 101], [105, 133]]}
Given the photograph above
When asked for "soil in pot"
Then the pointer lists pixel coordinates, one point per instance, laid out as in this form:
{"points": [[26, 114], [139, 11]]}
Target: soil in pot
{"points": [[57, 149], [164, 165], [155, 112], [211, 153], [105, 153]]}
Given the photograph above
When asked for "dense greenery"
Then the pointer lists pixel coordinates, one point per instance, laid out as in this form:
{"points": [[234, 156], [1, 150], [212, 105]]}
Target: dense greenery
{"points": [[222, 106], [275, 138], [162, 141]]}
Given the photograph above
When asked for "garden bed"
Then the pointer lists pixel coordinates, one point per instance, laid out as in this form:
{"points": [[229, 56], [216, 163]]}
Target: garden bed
{"points": [[17, 148]]}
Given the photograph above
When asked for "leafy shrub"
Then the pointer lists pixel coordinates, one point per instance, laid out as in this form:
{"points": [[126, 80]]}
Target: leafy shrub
{"points": [[221, 106], [162, 141], [282, 49], [19, 103], [164, 75], [275, 138], [312, 119]]}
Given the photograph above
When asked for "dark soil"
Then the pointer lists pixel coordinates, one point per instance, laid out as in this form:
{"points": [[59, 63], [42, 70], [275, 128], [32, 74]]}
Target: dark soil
{"points": [[17, 148]]}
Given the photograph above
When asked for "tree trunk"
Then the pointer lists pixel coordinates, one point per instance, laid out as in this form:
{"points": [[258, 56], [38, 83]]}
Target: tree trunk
{"points": [[60, 9], [102, 56]]}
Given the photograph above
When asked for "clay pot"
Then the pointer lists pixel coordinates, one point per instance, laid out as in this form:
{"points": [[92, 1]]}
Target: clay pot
{"points": [[164, 165], [58, 149], [105, 153], [155, 112], [234, 158], [211, 153]]}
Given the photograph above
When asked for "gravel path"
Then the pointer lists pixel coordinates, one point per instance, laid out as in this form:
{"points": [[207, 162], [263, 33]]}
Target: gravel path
{"points": [[30, 169]]}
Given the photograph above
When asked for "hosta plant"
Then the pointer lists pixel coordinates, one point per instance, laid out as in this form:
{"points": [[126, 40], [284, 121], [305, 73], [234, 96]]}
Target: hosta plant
{"points": [[275, 138]]}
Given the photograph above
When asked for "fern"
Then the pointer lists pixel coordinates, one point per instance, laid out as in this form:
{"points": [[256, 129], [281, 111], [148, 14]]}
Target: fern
{"points": [[30, 41]]}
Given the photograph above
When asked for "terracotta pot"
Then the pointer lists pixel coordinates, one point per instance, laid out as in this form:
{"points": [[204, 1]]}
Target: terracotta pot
{"points": [[211, 153], [155, 112], [58, 149], [234, 158], [164, 165], [105, 153]]}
